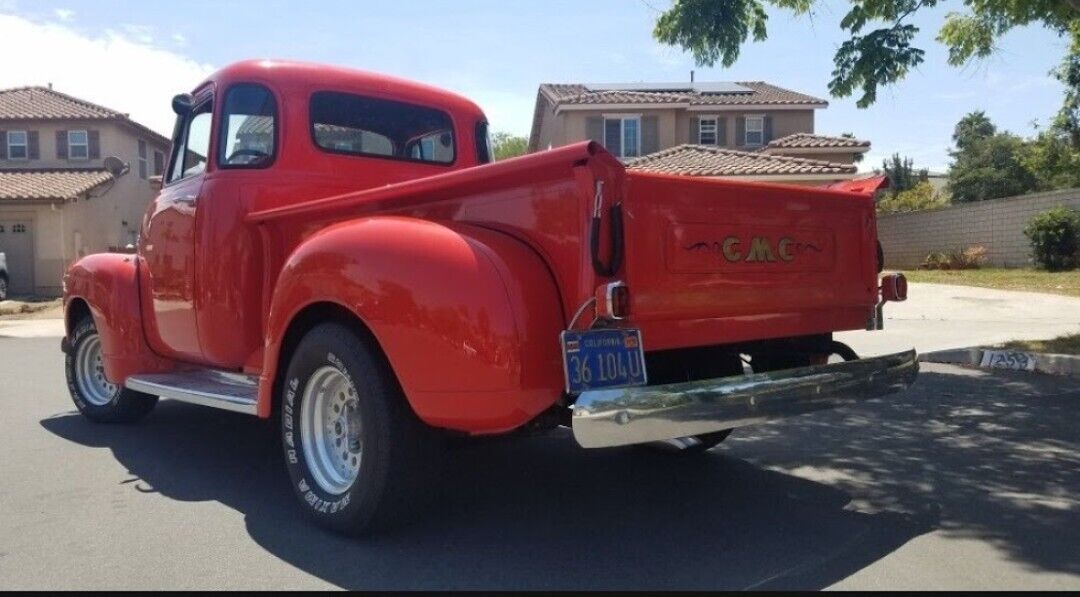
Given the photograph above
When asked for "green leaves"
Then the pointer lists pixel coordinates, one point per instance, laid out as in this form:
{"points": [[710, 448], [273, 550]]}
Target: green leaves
{"points": [[505, 146], [1055, 239], [715, 31], [866, 62]]}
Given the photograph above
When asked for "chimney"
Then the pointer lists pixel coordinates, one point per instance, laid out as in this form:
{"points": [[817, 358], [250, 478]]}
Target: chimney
{"points": [[50, 85]]}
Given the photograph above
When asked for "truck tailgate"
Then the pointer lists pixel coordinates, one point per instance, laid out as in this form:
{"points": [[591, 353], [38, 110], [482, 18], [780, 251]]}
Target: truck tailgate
{"points": [[712, 261]]}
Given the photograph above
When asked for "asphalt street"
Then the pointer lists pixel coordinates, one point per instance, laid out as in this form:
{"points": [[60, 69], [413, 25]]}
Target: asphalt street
{"points": [[970, 480]]}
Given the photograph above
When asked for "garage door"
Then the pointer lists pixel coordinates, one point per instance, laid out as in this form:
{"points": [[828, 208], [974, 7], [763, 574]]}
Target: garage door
{"points": [[17, 242]]}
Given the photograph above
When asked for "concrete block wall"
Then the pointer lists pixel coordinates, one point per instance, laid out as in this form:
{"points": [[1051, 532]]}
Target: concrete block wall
{"points": [[997, 224]]}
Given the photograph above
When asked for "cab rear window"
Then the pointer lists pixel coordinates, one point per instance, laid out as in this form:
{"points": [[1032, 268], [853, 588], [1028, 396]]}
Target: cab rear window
{"points": [[366, 126]]}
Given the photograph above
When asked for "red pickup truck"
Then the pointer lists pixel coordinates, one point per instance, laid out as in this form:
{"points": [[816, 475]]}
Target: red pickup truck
{"points": [[336, 251]]}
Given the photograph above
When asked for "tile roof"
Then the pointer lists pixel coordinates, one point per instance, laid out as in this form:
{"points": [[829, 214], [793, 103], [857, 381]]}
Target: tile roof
{"points": [[703, 160], [49, 184], [42, 103], [760, 93], [812, 141]]}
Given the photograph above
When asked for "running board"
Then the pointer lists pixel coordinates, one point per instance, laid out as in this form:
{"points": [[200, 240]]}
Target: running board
{"points": [[206, 387]]}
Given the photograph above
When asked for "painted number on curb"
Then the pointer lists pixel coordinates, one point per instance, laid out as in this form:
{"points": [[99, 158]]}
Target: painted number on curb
{"points": [[1007, 359]]}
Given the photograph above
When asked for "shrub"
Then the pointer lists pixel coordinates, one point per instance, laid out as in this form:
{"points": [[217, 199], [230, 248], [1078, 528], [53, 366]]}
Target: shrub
{"points": [[921, 196], [1055, 239]]}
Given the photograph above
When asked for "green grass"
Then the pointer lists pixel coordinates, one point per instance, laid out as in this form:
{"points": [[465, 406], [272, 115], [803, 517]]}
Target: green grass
{"points": [[1069, 344], [1030, 280]]}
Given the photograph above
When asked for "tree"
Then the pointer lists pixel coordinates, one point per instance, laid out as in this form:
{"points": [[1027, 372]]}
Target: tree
{"points": [[714, 31], [1053, 159], [902, 174], [508, 146], [972, 128], [990, 168]]}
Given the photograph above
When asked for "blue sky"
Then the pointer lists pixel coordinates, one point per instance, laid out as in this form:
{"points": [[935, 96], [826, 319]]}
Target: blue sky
{"points": [[132, 56]]}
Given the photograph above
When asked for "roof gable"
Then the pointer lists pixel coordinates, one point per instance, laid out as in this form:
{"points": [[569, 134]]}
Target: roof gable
{"points": [[45, 104]]}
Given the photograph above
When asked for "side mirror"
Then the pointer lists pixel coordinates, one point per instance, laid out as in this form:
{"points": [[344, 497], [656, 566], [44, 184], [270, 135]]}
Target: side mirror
{"points": [[155, 182], [182, 104]]}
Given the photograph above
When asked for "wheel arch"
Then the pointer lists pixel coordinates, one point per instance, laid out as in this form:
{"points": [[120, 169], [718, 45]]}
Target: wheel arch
{"points": [[459, 314]]}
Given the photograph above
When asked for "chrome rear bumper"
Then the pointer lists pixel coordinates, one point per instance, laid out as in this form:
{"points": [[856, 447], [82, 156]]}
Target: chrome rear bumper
{"points": [[649, 413]]}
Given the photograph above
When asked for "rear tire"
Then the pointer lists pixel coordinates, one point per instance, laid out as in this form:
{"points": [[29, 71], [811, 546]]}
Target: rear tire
{"points": [[3, 287], [358, 457], [95, 396]]}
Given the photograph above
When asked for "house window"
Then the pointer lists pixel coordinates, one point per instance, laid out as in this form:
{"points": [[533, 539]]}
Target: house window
{"points": [[16, 145], [19, 228], [78, 145], [144, 165], [707, 130], [622, 136], [755, 130], [159, 163]]}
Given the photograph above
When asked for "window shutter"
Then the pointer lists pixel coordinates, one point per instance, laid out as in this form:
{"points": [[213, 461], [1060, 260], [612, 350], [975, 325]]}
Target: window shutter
{"points": [[159, 163], [768, 131], [33, 146], [594, 129], [94, 144], [650, 135], [61, 145], [695, 136], [3, 145], [721, 132], [740, 131]]}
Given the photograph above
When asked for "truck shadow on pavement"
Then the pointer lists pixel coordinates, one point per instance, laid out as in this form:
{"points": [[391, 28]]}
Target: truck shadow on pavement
{"points": [[541, 513]]}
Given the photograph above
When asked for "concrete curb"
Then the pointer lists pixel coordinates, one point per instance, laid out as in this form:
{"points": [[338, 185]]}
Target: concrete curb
{"points": [[1053, 364]]}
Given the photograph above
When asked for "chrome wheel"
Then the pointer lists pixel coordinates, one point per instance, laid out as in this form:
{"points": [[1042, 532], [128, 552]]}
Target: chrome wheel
{"points": [[90, 373], [3, 288], [330, 430]]}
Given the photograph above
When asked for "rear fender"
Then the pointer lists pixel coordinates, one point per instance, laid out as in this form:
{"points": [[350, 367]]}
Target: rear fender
{"points": [[107, 284], [467, 318]]}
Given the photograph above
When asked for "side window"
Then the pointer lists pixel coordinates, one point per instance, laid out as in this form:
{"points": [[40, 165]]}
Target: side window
{"points": [[250, 122], [193, 146], [353, 124], [484, 151]]}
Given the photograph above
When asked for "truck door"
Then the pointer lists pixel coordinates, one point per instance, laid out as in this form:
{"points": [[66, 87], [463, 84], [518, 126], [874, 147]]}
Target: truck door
{"points": [[167, 243]]}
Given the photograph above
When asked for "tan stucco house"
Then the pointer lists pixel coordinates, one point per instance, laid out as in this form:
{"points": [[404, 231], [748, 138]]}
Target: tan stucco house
{"points": [[57, 200], [750, 130]]}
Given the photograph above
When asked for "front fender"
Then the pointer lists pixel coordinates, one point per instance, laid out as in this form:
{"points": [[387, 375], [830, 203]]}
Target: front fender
{"points": [[108, 284], [468, 318]]}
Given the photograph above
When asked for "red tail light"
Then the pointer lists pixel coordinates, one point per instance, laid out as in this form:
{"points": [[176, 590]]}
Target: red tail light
{"points": [[894, 288]]}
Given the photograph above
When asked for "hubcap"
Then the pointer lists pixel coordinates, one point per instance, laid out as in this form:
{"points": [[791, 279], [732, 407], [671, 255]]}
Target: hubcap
{"points": [[90, 373], [330, 430]]}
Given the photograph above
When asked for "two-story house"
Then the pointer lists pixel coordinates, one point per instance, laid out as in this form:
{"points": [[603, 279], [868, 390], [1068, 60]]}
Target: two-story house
{"points": [[57, 200], [749, 130]]}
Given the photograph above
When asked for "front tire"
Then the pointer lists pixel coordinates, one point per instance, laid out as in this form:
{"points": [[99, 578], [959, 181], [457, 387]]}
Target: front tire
{"points": [[96, 397], [358, 457]]}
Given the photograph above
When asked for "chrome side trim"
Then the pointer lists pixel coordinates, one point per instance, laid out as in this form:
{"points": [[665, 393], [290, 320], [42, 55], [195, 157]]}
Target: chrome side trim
{"points": [[624, 416], [217, 389]]}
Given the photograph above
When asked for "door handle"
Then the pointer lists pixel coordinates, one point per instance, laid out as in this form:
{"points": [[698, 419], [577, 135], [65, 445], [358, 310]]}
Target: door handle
{"points": [[187, 199]]}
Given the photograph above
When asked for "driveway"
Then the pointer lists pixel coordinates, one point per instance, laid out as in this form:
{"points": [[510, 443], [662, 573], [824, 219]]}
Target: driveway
{"points": [[939, 317], [969, 480]]}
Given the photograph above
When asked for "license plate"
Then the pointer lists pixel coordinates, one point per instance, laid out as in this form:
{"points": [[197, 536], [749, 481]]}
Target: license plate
{"points": [[596, 359]]}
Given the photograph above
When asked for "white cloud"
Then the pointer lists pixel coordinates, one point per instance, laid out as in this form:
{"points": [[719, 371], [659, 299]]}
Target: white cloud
{"points": [[179, 39], [117, 69], [64, 14]]}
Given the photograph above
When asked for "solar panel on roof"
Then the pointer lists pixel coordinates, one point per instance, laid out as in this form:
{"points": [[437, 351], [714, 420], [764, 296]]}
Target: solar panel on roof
{"points": [[700, 87]]}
